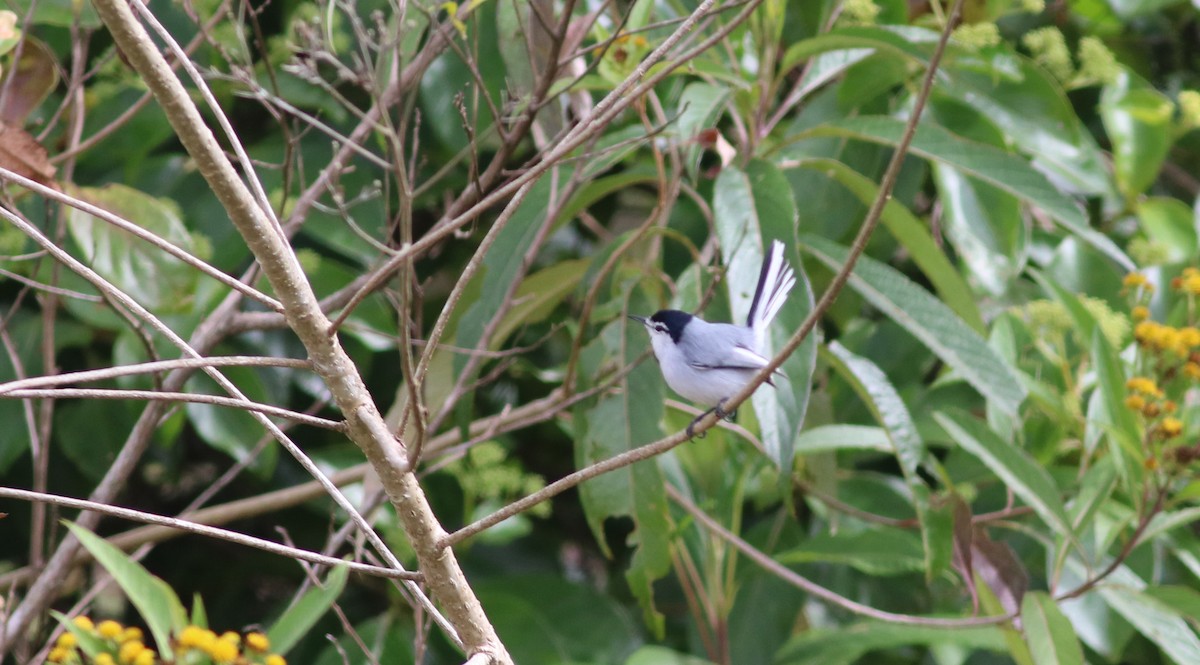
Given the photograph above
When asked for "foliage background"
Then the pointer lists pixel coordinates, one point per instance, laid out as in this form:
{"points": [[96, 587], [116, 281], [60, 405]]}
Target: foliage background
{"points": [[960, 440]]}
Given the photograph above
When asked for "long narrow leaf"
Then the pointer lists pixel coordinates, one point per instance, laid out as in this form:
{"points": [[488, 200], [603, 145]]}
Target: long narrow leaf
{"points": [[1009, 172], [929, 321], [753, 207], [1048, 632], [301, 616], [1020, 472], [910, 232], [154, 600]]}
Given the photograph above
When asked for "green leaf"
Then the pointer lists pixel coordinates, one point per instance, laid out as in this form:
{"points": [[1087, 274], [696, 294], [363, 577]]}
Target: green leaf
{"points": [[910, 42], [911, 233], [1169, 224], [615, 424], [1182, 599], [1125, 593], [846, 645], [886, 405], [986, 227], [158, 281], [89, 642], [234, 431], [545, 618], [1109, 415], [501, 266], [930, 321], [1138, 121], [1031, 108], [1006, 171], [753, 207], [881, 397], [66, 14], [827, 438], [537, 297], [1021, 473], [1048, 632], [295, 623], [155, 601], [652, 654], [877, 552]]}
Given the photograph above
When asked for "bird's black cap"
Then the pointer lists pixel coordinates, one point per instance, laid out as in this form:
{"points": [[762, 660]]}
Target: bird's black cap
{"points": [[674, 320]]}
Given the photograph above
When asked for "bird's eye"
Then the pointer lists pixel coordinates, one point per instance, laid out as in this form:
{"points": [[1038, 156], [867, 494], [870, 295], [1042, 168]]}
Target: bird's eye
{"points": [[658, 327]]}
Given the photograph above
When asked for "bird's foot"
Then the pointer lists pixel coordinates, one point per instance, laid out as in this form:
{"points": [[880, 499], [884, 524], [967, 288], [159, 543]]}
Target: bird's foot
{"points": [[719, 409], [721, 414]]}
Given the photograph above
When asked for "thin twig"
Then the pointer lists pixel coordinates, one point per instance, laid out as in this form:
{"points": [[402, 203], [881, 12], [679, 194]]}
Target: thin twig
{"points": [[203, 530], [799, 581], [140, 232], [191, 398], [86, 376]]}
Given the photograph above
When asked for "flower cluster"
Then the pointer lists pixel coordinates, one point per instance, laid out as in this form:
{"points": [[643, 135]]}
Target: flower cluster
{"points": [[1097, 64], [1146, 398], [977, 35], [1169, 362], [120, 645], [227, 648], [1188, 282]]}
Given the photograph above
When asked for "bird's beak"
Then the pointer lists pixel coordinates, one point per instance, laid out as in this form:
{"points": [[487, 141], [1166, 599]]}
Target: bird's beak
{"points": [[640, 319]]}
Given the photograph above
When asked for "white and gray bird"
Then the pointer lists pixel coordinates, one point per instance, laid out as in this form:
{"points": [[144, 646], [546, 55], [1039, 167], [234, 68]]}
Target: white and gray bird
{"points": [[706, 362]]}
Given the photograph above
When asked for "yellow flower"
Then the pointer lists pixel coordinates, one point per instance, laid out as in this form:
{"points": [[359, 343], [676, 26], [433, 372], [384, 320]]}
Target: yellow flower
{"points": [[144, 658], [1143, 385], [222, 651], [1141, 313], [257, 641], [131, 633], [1151, 410], [1135, 402], [275, 659], [195, 637], [230, 636], [66, 641], [129, 652], [83, 622], [104, 659], [1134, 279], [109, 629], [58, 655], [1170, 406], [1146, 332], [1192, 370], [1171, 427]]}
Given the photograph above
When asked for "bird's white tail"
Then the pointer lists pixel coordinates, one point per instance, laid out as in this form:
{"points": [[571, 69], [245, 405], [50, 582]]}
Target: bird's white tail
{"points": [[774, 283]]}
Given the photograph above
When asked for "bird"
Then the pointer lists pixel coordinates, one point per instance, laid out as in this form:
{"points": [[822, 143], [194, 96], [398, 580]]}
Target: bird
{"points": [[707, 363]]}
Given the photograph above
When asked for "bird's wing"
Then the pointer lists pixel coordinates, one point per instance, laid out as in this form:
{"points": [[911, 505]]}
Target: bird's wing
{"points": [[737, 357]]}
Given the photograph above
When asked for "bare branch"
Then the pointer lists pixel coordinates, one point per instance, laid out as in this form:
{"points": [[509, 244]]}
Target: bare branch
{"points": [[192, 398], [139, 232], [178, 524], [808, 586], [150, 368]]}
